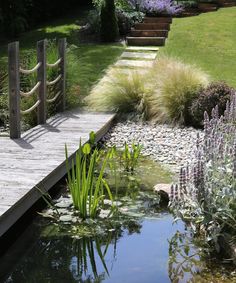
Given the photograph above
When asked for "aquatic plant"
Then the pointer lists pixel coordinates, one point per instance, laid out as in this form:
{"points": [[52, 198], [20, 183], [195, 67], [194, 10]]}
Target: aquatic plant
{"points": [[86, 188], [130, 156], [206, 193]]}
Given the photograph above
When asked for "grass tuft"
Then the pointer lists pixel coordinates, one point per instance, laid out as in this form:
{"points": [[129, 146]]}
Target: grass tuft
{"points": [[163, 94]]}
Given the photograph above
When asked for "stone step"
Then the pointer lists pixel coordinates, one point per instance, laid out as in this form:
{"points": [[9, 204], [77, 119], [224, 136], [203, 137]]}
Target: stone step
{"points": [[207, 7], [228, 4], [221, 2], [152, 26], [141, 48], [157, 20], [149, 33], [189, 14], [142, 41], [133, 64], [139, 55], [130, 70], [190, 11]]}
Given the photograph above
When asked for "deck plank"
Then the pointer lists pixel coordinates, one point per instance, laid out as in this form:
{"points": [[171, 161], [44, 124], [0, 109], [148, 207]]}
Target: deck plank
{"points": [[38, 159]]}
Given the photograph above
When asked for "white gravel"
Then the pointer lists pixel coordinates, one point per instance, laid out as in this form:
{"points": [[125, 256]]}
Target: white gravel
{"points": [[171, 146]]}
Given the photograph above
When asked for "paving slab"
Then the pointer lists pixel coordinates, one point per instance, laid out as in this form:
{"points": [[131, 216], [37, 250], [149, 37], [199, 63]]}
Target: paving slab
{"points": [[139, 55]]}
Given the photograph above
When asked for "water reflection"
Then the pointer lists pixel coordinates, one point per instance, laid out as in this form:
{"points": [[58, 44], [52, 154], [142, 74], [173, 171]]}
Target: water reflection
{"points": [[137, 254], [184, 257]]}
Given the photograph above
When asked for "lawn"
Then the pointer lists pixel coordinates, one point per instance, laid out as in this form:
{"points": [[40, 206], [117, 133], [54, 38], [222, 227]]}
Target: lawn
{"points": [[207, 40]]}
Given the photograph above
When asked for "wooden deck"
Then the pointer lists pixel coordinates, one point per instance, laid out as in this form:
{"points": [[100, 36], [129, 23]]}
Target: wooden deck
{"points": [[38, 159]]}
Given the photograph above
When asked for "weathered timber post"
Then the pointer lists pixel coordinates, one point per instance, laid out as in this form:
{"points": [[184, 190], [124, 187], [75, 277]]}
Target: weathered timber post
{"points": [[42, 78], [62, 66], [14, 90]]}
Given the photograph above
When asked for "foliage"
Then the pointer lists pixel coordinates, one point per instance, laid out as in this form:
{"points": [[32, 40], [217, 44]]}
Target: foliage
{"points": [[109, 26], [176, 85], [161, 7], [126, 19], [205, 195], [130, 156], [121, 92], [86, 189], [217, 93], [94, 21]]}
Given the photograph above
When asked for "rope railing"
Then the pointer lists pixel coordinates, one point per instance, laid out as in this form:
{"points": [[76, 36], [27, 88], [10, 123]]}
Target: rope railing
{"points": [[54, 81], [32, 91], [28, 72], [54, 64], [15, 93], [54, 98], [27, 111]]}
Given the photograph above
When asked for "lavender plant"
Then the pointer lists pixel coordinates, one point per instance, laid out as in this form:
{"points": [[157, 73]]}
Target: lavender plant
{"points": [[161, 7], [206, 193]]}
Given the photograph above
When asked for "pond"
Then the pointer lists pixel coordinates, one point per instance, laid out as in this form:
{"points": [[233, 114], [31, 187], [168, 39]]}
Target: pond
{"points": [[141, 244]]}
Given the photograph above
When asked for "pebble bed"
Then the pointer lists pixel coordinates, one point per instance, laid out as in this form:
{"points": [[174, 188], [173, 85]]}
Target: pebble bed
{"points": [[168, 145]]}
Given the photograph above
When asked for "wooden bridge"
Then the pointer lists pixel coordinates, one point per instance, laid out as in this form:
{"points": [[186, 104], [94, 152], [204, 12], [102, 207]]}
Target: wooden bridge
{"points": [[36, 158]]}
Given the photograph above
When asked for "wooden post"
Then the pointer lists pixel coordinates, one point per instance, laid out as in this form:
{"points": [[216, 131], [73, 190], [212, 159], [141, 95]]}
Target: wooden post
{"points": [[14, 90], [42, 77], [62, 65]]}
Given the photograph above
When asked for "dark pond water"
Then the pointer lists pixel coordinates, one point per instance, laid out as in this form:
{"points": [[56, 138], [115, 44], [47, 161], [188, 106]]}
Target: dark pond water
{"points": [[147, 247], [139, 254]]}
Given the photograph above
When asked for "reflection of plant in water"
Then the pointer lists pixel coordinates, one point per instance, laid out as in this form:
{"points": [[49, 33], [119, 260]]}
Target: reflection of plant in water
{"points": [[184, 258], [86, 257]]}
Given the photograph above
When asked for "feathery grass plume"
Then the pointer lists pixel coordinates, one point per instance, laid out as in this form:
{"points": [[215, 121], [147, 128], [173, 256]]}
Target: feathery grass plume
{"points": [[122, 92], [176, 85]]}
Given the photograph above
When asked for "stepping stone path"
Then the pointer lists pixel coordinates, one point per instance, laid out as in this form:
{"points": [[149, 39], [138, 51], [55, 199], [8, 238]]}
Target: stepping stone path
{"points": [[137, 57]]}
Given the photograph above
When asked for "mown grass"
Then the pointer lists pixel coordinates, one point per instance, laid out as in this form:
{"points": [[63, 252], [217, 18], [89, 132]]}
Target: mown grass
{"points": [[207, 40]]}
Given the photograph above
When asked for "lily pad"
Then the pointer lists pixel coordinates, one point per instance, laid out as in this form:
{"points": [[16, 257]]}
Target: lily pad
{"points": [[65, 218]]}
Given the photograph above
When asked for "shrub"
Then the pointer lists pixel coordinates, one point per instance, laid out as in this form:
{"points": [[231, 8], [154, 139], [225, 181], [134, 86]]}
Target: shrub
{"points": [[217, 93], [206, 195], [109, 26], [176, 85], [121, 92], [126, 19]]}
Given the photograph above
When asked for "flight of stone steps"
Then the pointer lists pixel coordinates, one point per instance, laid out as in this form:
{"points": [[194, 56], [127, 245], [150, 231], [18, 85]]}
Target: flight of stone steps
{"points": [[153, 31]]}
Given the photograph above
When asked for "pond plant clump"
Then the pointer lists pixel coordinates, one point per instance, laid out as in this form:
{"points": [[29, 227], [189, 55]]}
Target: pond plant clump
{"points": [[104, 190], [206, 194]]}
